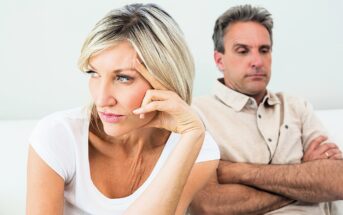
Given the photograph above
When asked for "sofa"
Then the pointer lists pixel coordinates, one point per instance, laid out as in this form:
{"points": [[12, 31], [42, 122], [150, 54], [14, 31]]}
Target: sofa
{"points": [[14, 135]]}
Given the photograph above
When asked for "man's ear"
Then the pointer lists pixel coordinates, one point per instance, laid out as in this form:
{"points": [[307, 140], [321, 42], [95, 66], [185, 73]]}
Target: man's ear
{"points": [[218, 59]]}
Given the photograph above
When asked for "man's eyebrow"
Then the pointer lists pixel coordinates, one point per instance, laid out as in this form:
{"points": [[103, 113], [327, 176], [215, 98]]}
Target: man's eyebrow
{"points": [[266, 46], [240, 45], [247, 46]]}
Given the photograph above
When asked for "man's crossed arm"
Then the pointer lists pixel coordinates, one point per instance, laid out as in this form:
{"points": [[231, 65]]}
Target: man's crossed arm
{"points": [[217, 199], [256, 189]]}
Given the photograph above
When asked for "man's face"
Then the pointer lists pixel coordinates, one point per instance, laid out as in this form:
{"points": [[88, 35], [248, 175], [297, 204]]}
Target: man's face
{"points": [[246, 63]]}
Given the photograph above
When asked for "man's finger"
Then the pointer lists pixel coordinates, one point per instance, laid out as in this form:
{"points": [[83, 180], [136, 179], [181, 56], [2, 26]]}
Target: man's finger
{"points": [[325, 147], [337, 156], [316, 142], [331, 153]]}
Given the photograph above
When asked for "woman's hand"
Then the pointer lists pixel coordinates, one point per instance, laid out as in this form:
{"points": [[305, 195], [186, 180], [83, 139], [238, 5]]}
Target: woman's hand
{"points": [[173, 114]]}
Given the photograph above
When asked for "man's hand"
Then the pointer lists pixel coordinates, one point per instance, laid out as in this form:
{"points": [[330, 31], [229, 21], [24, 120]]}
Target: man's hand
{"points": [[320, 150]]}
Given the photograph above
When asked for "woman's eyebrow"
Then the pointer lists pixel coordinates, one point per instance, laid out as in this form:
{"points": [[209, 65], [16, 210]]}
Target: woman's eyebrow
{"points": [[91, 67], [124, 69], [116, 70]]}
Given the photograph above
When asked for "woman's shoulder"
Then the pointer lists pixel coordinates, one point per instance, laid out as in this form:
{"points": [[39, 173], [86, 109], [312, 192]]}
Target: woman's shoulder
{"points": [[79, 113], [56, 137], [67, 119], [62, 127]]}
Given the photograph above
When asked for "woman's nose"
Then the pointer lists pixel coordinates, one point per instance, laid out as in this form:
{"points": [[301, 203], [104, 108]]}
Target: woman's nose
{"points": [[105, 96]]}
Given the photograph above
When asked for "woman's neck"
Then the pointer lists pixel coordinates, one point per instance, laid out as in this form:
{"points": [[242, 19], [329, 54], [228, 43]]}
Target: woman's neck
{"points": [[131, 144], [129, 160]]}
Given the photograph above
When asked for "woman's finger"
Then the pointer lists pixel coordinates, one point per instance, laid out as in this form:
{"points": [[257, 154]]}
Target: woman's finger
{"points": [[153, 106], [154, 95], [153, 82], [145, 73]]}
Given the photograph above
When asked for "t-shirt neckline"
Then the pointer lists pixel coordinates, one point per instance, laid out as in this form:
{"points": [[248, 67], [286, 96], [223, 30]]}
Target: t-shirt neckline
{"points": [[136, 193]]}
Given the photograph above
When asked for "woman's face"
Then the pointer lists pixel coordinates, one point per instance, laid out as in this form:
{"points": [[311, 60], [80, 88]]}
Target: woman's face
{"points": [[117, 89]]}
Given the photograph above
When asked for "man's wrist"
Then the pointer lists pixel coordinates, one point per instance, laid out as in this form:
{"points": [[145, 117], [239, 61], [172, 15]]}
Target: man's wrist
{"points": [[249, 173], [233, 173]]}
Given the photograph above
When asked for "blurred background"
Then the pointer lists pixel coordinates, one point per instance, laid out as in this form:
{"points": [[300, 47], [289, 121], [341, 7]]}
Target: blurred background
{"points": [[40, 42]]}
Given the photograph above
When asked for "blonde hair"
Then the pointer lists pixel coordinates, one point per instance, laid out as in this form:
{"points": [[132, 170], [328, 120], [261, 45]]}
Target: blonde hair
{"points": [[157, 39]]}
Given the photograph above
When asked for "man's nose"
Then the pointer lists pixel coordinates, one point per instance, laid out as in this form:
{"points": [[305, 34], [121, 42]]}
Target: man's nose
{"points": [[256, 60]]}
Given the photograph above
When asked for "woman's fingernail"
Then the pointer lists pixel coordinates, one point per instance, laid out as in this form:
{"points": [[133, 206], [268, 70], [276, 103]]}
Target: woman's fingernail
{"points": [[138, 111]]}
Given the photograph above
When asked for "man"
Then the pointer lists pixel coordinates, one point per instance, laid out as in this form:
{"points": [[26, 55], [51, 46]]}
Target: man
{"points": [[275, 156]]}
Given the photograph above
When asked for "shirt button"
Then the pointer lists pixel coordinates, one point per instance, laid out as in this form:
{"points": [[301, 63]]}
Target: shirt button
{"points": [[286, 126], [259, 116], [270, 140]]}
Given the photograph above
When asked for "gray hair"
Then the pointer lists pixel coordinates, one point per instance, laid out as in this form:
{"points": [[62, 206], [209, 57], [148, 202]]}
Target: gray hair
{"points": [[156, 38], [241, 13]]}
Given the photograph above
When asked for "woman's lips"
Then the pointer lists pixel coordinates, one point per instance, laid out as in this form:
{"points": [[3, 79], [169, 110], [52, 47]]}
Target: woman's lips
{"points": [[110, 117]]}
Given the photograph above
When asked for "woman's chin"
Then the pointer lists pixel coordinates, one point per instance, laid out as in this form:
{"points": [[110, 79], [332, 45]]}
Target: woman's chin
{"points": [[123, 128]]}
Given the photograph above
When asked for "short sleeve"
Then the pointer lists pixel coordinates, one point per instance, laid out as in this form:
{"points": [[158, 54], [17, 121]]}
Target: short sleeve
{"points": [[209, 149], [52, 140], [311, 125]]}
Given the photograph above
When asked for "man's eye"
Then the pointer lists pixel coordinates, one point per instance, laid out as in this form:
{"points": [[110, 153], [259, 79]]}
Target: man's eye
{"points": [[242, 51], [265, 50], [93, 74], [123, 78]]}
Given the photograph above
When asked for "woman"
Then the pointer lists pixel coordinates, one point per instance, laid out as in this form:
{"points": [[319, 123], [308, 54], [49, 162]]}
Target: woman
{"points": [[133, 152]]}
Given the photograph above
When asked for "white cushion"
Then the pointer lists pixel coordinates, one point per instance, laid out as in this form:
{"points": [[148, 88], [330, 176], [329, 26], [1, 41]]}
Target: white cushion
{"points": [[14, 135], [333, 121]]}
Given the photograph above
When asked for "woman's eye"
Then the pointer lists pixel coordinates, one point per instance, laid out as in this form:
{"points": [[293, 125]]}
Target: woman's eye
{"points": [[123, 78], [93, 74]]}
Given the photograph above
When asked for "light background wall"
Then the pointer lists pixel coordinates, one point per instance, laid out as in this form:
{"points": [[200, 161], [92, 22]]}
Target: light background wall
{"points": [[40, 42]]}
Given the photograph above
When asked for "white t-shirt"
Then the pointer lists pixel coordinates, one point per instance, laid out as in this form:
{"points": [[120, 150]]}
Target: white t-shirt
{"points": [[61, 140]]}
